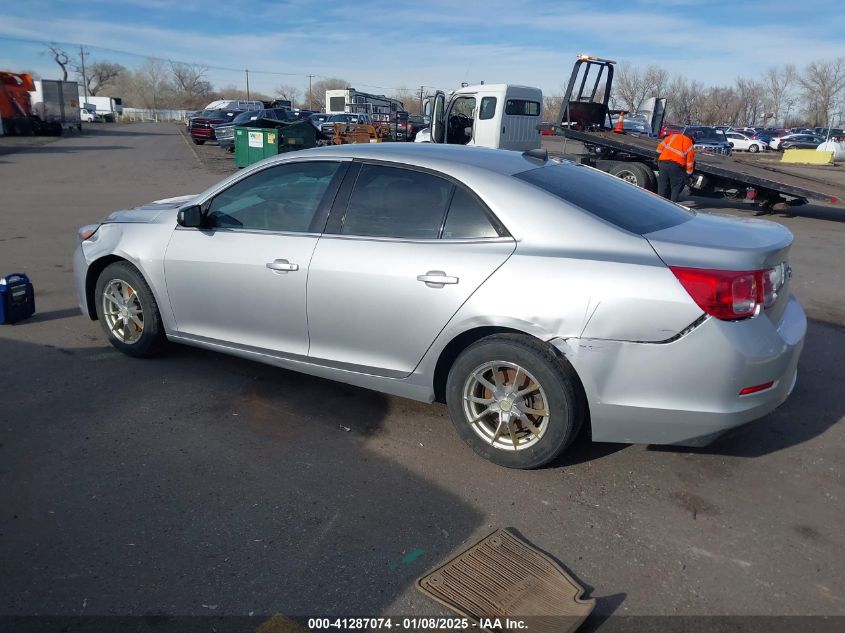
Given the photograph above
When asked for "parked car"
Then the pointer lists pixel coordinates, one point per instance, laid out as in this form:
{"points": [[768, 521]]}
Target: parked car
{"points": [[800, 141], [708, 139], [764, 137], [670, 128], [86, 116], [745, 143], [191, 115], [416, 122], [835, 133], [636, 125], [776, 142], [201, 127], [224, 133], [648, 322]]}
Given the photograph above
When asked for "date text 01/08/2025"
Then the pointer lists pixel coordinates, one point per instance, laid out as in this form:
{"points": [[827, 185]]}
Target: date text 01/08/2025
{"points": [[414, 624]]}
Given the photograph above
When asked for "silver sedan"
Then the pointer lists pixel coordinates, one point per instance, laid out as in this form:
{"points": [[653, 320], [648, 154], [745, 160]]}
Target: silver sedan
{"points": [[534, 297]]}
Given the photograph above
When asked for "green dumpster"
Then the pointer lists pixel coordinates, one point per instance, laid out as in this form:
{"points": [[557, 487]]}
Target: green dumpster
{"points": [[267, 137]]}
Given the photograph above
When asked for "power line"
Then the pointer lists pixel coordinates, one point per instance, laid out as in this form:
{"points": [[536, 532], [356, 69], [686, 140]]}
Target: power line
{"points": [[176, 61]]}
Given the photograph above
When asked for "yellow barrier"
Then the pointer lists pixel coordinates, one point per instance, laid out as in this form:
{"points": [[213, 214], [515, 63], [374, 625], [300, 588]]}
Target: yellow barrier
{"points": [[807, 157]]}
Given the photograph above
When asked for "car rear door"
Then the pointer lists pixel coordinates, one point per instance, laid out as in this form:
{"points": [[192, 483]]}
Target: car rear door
{"points": [[241, 278], [403, 250]]}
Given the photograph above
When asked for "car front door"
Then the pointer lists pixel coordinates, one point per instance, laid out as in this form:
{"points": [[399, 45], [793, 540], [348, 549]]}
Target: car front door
{"points": [[401, 253], [240, 278]]}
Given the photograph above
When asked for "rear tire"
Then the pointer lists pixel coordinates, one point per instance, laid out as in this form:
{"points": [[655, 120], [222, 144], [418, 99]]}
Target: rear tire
{"points": [[534, 411], [198, 141], [127, 311], [635, 173]]}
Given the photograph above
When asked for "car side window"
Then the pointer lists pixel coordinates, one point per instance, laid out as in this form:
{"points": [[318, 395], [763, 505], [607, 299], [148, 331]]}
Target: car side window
{"points": [[396, 202], [466, 218], [488, 108], [281, 198]]}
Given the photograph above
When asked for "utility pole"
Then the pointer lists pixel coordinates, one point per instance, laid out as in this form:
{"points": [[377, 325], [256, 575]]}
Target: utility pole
{"points": [[84, 76], [310, 94], [421, 99], [247, 84]]}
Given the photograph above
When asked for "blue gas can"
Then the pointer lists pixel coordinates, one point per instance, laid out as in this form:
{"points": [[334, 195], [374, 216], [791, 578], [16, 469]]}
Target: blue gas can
{"points": [[17, 298]]}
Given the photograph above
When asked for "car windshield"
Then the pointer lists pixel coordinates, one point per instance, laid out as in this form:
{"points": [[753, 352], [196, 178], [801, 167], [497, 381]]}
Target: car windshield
{"points": [[708, 134], [219, 114], [244, 117], [345, 118], [611, 199]]}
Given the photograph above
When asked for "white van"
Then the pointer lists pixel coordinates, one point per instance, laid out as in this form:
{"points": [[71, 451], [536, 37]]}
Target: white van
{"points": [[500, 116]]}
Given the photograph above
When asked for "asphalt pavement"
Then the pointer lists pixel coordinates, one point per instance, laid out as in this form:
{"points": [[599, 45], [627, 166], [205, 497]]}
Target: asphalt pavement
{"points": [[202, 484]]}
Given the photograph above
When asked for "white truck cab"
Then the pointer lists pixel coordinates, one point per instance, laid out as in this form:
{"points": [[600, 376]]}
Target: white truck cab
{"points": [[500, 116]]}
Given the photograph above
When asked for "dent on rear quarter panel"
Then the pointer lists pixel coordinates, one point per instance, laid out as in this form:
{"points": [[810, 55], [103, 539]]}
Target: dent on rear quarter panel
{"points": [[638, 303], [556, 296]]}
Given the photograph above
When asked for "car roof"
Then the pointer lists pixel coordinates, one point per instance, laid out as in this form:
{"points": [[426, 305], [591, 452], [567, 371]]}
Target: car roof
{"points": [[446, 158]]}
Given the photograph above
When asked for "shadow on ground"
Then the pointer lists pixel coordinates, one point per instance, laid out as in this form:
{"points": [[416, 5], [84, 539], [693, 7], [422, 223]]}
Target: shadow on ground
{"points": [[169, 485]]}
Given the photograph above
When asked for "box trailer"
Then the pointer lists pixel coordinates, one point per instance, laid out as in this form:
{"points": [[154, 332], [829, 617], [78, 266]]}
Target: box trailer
{"points": [[57, 102]]}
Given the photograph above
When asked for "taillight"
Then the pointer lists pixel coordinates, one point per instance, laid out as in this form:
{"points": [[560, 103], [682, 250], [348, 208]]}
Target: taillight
{"points": [[732, 294]]}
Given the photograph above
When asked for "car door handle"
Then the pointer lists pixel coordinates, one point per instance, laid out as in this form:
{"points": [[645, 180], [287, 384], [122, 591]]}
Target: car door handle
{"points": [[436, 279], [282, 266]]}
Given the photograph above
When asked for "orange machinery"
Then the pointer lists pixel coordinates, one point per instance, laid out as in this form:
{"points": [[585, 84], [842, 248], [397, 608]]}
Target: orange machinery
{"points": [[15, 109]]}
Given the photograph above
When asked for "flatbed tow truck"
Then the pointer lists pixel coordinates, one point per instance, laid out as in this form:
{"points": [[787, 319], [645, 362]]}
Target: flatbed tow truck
{"points": [[583, 118]]}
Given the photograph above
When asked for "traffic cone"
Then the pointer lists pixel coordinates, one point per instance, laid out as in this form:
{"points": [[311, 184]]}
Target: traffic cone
{"points": [[619, 128]]}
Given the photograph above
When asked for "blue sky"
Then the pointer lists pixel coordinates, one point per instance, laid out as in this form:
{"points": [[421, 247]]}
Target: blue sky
{"points": [[393, 43]]}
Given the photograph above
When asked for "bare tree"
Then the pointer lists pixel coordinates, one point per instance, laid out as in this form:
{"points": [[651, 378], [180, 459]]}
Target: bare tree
{"points": [[633, 86], [410, 99], [231, 91], [99, 74], [291, 93], [60, 57], [316, 98], [777, 85], [684, 100], [749, 95], [192, 88], [551, 107], [152, 83], [822, 83], [627, 86]]}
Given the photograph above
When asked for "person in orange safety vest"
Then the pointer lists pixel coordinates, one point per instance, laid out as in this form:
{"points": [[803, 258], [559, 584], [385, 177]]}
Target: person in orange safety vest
{"points": [[676, 161]]}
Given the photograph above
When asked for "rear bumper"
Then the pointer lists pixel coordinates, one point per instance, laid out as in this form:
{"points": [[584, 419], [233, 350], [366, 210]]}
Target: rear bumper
{"points": [[687, 392]]}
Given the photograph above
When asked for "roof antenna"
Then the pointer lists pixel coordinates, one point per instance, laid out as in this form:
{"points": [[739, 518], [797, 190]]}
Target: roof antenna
{"points": [[537, 154]]}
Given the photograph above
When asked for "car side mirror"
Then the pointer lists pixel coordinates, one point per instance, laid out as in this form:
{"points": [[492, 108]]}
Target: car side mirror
{"points": [[190, 217]]}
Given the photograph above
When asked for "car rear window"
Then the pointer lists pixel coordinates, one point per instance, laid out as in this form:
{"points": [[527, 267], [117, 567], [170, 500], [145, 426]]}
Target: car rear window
{"points": [[611, 199]]}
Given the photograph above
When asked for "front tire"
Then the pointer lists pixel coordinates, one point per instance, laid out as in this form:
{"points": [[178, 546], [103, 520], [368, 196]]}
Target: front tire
{"points": [[753, 148], [128, 312], [513, 401], [198, 141]]}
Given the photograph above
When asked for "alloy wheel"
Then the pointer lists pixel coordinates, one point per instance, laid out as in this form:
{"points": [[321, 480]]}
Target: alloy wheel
{"points": [[505, 406], [122, 311]]}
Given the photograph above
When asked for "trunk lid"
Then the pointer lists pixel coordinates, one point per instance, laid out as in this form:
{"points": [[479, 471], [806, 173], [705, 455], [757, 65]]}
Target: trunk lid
{"points": [[723, 242]]}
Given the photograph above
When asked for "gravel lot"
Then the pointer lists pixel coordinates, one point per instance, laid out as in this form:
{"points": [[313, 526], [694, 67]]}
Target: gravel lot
{"points": [[201, 484]]}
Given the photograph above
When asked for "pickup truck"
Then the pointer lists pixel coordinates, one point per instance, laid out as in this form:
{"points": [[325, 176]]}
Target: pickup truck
{"points": [[201, 127]]}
